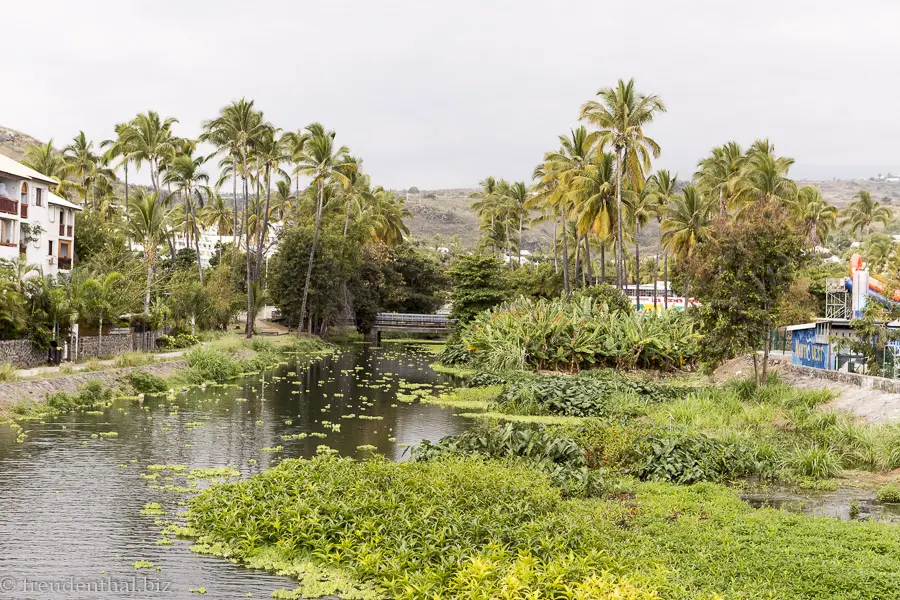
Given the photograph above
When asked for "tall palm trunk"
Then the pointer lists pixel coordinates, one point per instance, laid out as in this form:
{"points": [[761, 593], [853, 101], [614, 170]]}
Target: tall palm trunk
{"points": [[312, 255], [637, 271], [519, 245], [265, 226], [234, 208], [602, 261], [577, 260], [508, 249], [587, 259], [347, 217], [555, 246], [656, 271], [149, 260], [723, 211], [565, 256], [620, 255], [126, 200], [197, 243], [245, 229], [666, 280]]}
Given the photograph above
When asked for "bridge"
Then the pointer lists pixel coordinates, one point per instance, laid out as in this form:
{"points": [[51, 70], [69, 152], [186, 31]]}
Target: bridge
{"points": [[409, 323]]}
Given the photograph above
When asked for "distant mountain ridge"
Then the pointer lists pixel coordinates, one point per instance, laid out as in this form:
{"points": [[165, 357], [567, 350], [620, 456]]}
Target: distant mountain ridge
{"points": [[13, 143]]}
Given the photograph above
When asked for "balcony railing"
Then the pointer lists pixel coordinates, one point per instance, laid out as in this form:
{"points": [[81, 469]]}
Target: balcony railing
{"points": [[24, 211], [65, 230], [69, 230], [10, 207], [8, 244], [64, 263]]}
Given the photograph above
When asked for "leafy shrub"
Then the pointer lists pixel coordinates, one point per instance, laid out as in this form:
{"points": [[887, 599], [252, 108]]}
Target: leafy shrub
{"points": [[133, 359], [91, 394], [615, 300], [454, 353], [8, 372], [185, 340], [210, 364], [889, 493], [690, 458], [556, 455], [147, 383], [577, 334], [589, 394]]}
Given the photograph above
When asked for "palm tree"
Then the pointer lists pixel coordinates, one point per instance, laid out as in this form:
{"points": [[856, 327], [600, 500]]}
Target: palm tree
{"points": [[662, 188], [101, 298], [864, 211], [80, 160], [687, 222], [190, 183], [47, 161], [642, 210], [519, 194], [484, 204], [720, 175], [620, 117], [385, 213], [594, 199], [813, 213], [270, 152], [576, 152], [120, 148], [149, 138], [764, 176], [235, 132], [217, 213], [321, 162], [146, 224]]}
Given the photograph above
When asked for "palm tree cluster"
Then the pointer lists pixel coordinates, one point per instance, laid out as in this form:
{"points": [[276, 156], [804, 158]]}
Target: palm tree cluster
{"points": [[600, 192], [260, 165], [502, 210]]}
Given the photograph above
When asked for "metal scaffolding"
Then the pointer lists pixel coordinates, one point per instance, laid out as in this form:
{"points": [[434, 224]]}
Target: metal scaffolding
{"points": [[837, 299]]}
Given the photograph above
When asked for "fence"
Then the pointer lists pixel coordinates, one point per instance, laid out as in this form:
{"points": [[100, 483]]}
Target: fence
{"points": [[23, 355]]}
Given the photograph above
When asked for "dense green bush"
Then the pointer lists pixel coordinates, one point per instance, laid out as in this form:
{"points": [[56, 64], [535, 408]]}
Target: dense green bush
{"points": [[211, 364], [554, 454], [690, 458], [582, 333], [147, 383], [601, 393], [91, 394], [615, 300]]}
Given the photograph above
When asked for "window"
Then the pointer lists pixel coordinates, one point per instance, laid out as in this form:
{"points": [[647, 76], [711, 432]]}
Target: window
{"points": [[64, 249], [38, 197], [51, 247], [62, 218], [24, 193]]}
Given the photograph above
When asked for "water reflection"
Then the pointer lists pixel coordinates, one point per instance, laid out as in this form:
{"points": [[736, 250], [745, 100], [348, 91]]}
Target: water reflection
{"points": [[70, 503]]}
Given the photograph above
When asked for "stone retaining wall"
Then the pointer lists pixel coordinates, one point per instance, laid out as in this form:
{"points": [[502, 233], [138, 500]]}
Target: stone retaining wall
{"points": [[22, 355], [867, 382], [37, 390]]}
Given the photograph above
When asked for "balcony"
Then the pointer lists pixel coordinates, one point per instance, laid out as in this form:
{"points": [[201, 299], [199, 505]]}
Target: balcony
{"points": [[65, 230], [24, 211], [9, 207], [64, 263], [70, 230]]}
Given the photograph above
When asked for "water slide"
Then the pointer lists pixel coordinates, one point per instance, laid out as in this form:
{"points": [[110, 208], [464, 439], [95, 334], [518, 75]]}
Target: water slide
{"points": [[877, 287]]}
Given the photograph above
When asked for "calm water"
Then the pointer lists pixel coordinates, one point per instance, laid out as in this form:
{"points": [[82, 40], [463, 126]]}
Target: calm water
{"points": [[70, 503]]}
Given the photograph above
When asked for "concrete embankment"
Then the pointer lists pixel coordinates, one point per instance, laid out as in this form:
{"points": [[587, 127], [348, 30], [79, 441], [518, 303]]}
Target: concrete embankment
{"points": [[36, 390]]}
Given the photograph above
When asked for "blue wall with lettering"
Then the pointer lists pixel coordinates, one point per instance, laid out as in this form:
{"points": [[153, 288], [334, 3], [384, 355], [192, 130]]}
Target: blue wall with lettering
{"points": [[806, 352]]}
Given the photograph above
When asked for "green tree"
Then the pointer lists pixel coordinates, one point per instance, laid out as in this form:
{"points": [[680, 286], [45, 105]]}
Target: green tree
{"points": [[146, 225], [478, 284], [149, 138], [620, 116], [662, 189], [815, 216], [102, 300], [322, 163], [686, 223], [740, 274]]}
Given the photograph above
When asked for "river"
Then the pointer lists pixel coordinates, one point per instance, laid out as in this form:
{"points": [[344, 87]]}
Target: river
{"points": [[71, 499]]}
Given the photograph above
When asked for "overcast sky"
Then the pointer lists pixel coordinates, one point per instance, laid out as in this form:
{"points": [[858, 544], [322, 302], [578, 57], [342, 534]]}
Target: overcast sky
{"points": [[441, 94]]}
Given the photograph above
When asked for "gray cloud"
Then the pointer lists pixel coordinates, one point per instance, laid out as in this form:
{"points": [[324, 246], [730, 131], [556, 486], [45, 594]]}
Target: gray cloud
{"points": [[440, 94]]}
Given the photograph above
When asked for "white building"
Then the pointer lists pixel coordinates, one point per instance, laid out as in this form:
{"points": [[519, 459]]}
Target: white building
{"points": [[34, 221]]}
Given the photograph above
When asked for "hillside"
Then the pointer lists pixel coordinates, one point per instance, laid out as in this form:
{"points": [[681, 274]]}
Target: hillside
{"points": [[840, 192], [13, 143]]}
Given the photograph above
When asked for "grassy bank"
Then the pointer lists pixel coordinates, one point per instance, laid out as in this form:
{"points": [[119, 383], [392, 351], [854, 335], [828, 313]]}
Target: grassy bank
{"points": [[225, 358], [468, 528]]}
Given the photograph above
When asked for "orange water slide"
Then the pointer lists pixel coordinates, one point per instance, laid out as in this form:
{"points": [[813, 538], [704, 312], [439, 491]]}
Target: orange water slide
{"points": [[876, 283]]}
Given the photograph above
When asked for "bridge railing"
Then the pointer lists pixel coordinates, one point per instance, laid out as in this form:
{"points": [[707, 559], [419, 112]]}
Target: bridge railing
{"points": [[415, 320]]}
